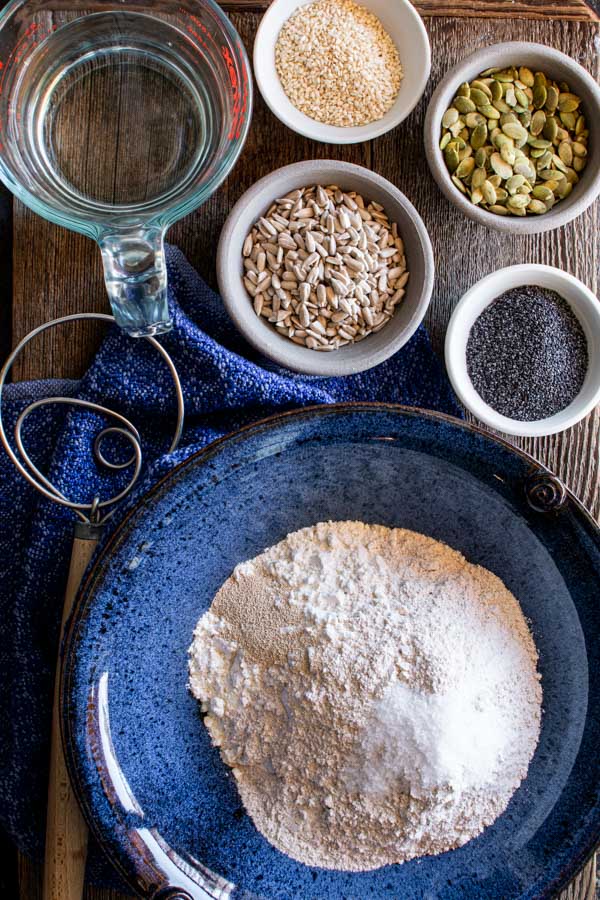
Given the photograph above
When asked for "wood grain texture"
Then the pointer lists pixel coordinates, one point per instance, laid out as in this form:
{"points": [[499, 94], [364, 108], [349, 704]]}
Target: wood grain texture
{"points": [[66, 830], [574, 10], [56, 272]]}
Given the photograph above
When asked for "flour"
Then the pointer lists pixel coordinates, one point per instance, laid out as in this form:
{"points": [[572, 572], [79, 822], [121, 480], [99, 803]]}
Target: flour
{"points": [[375, 695]]}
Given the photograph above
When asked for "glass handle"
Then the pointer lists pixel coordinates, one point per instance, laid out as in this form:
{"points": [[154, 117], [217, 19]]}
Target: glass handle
{"points": [[135, 273]]}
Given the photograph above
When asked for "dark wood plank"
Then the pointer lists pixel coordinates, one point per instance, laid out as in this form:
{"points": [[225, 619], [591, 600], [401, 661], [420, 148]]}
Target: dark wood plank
{"points": [[573, 10], [56, 272], [6, 234]]}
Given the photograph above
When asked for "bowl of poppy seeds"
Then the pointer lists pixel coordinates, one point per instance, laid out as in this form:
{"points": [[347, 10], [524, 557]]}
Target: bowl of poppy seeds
{"points": [[523, 350]]}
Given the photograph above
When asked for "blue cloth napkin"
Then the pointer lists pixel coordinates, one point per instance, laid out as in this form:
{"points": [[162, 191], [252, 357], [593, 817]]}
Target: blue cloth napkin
{"points": [[226, 385]]}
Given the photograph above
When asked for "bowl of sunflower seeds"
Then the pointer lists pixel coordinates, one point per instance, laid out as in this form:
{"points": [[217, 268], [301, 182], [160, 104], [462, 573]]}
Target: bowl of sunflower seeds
{"points": [[325, 267], [512, 137]]}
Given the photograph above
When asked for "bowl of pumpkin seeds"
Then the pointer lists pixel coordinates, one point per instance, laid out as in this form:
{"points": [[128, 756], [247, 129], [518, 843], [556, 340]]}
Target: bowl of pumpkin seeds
{"points": [[512, 137]]}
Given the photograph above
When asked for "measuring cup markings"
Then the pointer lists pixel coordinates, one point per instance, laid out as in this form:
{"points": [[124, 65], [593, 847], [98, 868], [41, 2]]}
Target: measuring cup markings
{"points": [[240, 97]]}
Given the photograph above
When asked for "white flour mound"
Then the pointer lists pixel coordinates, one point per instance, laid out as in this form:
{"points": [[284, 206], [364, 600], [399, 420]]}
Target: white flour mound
{"points": [[375, 694]]}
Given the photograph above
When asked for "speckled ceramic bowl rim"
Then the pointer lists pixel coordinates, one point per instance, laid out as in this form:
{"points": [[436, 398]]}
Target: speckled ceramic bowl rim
{"points": [[302, 124], [499, 54], [347, 360], [107, 550]]}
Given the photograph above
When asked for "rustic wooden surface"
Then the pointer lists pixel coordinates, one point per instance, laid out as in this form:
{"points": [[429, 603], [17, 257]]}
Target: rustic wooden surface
{"points": [[573, 10], [57, 272]]}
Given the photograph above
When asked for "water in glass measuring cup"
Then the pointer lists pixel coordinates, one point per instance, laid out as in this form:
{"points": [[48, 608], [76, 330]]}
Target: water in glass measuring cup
{"points": [[116, 122]]}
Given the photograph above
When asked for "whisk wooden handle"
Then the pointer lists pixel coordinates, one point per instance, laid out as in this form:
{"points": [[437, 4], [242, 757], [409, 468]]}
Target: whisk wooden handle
{"points": [[66, 831]]}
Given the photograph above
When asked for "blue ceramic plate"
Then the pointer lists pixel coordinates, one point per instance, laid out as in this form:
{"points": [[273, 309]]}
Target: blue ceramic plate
{"points": [[154, 790]]}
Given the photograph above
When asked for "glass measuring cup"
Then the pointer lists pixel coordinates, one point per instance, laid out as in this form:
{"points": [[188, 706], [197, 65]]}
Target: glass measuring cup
{"points": [[118, 117]]}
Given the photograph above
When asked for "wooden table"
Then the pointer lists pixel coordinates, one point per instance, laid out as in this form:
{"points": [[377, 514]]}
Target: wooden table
{"points": [[55, 272]]}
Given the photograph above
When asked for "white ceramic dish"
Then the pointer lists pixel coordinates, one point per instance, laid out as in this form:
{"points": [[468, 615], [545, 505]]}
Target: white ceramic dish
{"points": [[263, 336], [555, 64], [403, 24], [585, 306]]}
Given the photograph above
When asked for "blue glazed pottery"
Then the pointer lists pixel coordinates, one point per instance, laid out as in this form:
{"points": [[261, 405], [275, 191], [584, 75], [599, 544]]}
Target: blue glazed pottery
{"points": [[153, 788]]}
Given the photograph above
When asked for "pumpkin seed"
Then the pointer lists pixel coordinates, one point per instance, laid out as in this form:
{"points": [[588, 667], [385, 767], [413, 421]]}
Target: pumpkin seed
{"points": [[518, 201], [464, 104], [450, 117], [579, 163], [446, 138], [500, 166], [526, 168], [515, 131], [464, 90], [508, 153], [525, 118], [495, 180], [480, 86], [501, 106], [451, 157], [472, 120], [498, 210], [551, 98], [505, 76], [458, 183], [481, 158], [579, 149], [465, 167], [479, 97], [526, 76], [540, 95], [496, 90], [489, 193], [568, 102], [489, 111], [569, 120], [479, 176], [522, 98], [476, 196], [479, 136], [539, 143], [537, 207], [514, 183], [564, 190], [538, 120], [551, 174], [542, 192], [550, 131], [558, 163]]}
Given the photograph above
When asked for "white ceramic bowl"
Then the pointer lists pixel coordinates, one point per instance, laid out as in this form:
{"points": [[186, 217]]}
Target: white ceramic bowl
{"points": [[261, 334], [556, 65], [585, 306], [405, 27]]}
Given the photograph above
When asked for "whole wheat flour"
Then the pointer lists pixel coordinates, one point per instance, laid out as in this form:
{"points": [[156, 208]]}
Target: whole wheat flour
{"points": [[375, 694]]}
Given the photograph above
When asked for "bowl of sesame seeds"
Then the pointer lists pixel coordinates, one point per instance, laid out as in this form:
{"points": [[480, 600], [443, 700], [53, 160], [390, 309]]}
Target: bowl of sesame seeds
{"points": [[325, 267], [340, 71]]}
